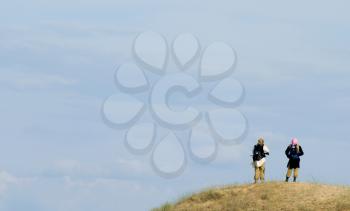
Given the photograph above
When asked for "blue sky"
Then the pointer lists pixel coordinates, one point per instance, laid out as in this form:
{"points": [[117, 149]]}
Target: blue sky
{"points": [[57, 65]]}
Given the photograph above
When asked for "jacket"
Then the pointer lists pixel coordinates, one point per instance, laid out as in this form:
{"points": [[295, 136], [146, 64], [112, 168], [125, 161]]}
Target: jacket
{"points": [[294, 156], [259, 152]]}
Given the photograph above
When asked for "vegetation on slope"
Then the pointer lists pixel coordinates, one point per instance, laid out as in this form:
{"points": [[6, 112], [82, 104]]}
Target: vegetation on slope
{"points": [[267, 196]]}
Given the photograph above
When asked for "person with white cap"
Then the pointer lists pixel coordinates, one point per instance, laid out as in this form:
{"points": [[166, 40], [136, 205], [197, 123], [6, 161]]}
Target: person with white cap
{"points": [[293, 153]]}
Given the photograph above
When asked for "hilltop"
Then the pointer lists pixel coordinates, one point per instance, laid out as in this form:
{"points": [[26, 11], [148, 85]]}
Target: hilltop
{"points": [[267, 196]]}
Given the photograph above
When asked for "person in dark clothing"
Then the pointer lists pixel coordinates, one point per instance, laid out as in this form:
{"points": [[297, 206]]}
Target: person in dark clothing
{"points": [[293, 153], [259, 153]]}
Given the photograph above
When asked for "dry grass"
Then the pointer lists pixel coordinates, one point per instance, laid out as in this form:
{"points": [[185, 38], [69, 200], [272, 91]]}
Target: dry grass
{"points": [[268, 196]]}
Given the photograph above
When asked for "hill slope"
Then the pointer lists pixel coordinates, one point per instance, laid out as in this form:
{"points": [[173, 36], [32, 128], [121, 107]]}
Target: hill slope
{"points": [[268, 196]]}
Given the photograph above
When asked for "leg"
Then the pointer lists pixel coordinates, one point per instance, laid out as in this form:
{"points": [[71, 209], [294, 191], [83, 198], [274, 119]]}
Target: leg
{"points": [[289, 173], [262, 173], [257, 175], [296, 173]]}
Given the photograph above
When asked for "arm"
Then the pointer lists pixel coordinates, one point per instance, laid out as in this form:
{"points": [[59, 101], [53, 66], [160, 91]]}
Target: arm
{"points": [[287, 152], [301, 152], [254, 153], [266, 150]]}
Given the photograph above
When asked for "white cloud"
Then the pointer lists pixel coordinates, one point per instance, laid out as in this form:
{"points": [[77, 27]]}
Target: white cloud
{"points": [[68, 193], [6, 179]]}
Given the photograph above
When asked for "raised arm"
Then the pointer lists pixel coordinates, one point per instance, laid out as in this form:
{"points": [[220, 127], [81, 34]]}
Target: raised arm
{"points": [[301, 152]]}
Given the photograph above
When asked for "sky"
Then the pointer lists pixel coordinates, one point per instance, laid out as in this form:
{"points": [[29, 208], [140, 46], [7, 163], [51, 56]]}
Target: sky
{"points": [[57, 66]]}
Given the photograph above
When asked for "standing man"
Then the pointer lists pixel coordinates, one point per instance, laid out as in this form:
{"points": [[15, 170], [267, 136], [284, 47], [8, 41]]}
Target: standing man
{"points": [[259, 153]]}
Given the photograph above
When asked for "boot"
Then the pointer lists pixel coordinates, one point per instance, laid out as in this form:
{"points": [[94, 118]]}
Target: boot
{"points": [[287, 178], [294, 179]]}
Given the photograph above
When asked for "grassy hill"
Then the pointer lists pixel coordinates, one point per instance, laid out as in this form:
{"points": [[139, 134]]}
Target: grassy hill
{"points": [[268, 196]]}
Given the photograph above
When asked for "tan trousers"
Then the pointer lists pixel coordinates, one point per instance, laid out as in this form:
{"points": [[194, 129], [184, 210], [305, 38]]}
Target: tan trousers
{"points": [[259, 173], [296, 172]]}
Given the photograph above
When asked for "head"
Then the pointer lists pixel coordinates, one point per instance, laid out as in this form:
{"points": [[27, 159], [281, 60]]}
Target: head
{"points": [[295, 141], [261, 141]]}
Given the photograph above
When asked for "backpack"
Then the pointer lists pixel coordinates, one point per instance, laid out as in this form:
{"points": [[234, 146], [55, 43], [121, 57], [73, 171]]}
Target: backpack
{"points": [[258, 153], [293, 154]]}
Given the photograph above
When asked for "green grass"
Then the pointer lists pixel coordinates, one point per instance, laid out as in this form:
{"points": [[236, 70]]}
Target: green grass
{"points": [[165, 207]]}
